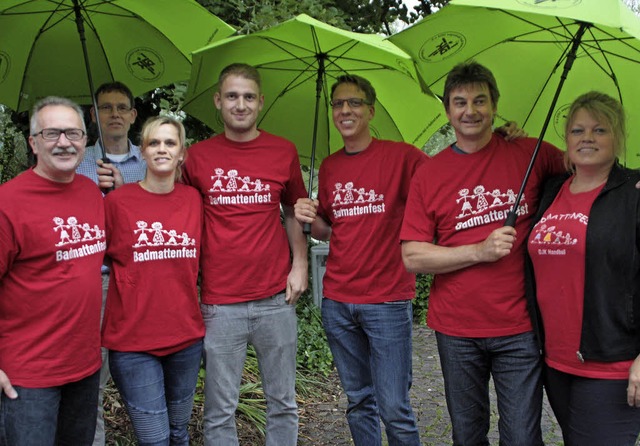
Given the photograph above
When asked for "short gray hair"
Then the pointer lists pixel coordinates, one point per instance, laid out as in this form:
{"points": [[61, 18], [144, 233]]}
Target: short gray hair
{"points": [[54, 100]]}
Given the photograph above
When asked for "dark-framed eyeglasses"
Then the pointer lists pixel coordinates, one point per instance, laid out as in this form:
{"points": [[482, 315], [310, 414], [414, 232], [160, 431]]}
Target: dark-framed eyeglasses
{"points": [[120, 108], [54, 134], [353, 102]]}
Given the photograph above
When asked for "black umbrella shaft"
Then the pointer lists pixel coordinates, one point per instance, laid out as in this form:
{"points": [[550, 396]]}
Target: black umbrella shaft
{"points": [[571, 57], [319, 84], [83, 40]]}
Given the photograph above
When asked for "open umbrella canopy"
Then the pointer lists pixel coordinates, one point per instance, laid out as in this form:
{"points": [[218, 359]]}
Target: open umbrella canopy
{"points": [[298, 61], [526, 44], [143, 43]]}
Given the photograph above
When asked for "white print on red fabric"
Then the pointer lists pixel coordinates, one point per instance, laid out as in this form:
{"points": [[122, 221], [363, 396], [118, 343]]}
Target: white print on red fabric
{"points": [[547, 234], [233, 189], [480, 207], [175, 244], [83, 238], [349, 201]]}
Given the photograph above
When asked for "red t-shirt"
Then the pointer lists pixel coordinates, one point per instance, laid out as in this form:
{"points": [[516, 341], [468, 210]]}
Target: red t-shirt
{"points": [[52, 245], [458, 199], [154, 246], [363, 196], [245, 250], [557, 248]]}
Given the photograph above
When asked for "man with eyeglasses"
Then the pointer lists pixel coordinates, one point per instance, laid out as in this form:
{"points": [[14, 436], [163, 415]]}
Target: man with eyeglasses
{"points": [[366, 310], [52, 244], [116, 115]]}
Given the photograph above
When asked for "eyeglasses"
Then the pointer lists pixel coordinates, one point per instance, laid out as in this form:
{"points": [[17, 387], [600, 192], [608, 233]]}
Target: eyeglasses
{"points": [[120, 108], [54, 134], [353, 102]]}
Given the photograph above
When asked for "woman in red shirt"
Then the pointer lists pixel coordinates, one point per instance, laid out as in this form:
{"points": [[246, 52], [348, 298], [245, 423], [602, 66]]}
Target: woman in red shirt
{"points": [[153, 327], [585, 250]]}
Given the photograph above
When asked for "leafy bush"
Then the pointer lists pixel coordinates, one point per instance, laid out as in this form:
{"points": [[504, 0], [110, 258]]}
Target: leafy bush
{"points": [[13, 149], [313, 351], [421, 302]]}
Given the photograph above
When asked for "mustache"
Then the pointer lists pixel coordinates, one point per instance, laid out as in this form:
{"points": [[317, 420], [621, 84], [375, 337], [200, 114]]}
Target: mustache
{"points": [[64, 150]]}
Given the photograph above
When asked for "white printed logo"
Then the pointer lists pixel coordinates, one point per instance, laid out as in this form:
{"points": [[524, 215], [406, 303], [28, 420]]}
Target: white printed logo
{"points": [[160, 236], [72, 232], [175, 245], [483, 207], [549, 235], [233, 189], [349, 201], [86, 239], [550, 238]]}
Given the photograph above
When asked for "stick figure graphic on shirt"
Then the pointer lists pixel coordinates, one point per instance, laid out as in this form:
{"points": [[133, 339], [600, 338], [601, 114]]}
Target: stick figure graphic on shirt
{"points": [[158, 238], [481, 203], [172, 237], [348, 195], [87, 232], [246, 181], [360, 193], [219, 175], [497, 201], [466, 205], [337, 198], [143, 239], [64, 235], [232, 184]]}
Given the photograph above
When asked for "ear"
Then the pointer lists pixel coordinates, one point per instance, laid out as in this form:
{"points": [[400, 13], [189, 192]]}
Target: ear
{"points": [[217, 100], [32, 144], [93, 114]]}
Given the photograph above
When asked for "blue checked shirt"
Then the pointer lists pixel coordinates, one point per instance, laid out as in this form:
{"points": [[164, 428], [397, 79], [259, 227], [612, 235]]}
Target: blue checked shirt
{"points": [[132, 168]]}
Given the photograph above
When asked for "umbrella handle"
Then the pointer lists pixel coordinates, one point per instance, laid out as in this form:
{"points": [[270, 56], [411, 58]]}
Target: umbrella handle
{"points": [[106, 190], [306, 229]]}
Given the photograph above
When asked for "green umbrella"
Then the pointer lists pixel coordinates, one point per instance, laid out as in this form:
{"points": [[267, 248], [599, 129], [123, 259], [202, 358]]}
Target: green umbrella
{"points": [[298, 61], [533, 47], [143, 43]]}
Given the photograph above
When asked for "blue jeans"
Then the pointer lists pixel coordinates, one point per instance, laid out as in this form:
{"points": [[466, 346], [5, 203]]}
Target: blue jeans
{"points": [[515, 364], [592, 412], [158, 392], [371, 346], [62, 415], [270, 325]]}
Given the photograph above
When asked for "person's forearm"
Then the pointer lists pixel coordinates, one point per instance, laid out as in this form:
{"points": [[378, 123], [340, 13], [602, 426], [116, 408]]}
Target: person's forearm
{"points": [[428, 258]]}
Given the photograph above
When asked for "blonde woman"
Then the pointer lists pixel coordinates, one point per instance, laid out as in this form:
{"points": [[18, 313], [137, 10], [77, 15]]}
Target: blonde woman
{"points": [[153, 327], [585, 250]]}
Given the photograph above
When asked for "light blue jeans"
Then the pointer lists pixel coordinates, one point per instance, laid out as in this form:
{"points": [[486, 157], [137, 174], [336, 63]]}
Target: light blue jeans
{"points": [[270, 325], [158, 392], [371, 346], [515, 364]]}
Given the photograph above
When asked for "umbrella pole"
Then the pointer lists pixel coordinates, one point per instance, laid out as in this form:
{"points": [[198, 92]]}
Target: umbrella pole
{"points": [[83, 41], [512, 215], [319, 84]]}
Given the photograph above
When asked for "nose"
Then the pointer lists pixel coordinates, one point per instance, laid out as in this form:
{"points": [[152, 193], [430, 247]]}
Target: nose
{"points": [[588, 135], [63, 141], [470, 108], [345, 108]]}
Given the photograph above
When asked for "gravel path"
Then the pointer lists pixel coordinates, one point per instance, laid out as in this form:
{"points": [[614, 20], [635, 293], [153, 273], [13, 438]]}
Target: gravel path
{"points": [[328, 427]]}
